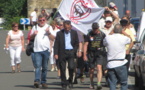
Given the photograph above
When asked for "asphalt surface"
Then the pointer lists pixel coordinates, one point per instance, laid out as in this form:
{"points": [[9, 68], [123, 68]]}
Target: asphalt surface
{"points": [[24, 80]]}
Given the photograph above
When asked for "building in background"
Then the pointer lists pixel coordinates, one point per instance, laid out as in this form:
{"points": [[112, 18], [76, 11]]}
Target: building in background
{"points": [[46, 4]]}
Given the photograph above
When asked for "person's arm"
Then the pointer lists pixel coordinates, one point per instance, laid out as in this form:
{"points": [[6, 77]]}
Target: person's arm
{"points": [[85, 51], [7, 41], [50, 36], [131, 44], [22, 41], [76, 42], [79, 54], [31, 22], [116, 17], [56, 46], [104, 42]]}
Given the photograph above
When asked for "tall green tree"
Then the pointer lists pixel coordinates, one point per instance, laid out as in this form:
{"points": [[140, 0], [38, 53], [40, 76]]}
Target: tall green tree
{"points": [[12, 11]]}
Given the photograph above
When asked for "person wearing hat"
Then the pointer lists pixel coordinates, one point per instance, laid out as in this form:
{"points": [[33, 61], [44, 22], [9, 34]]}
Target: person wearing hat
{"points": [[93, 52], [33, 17], [113, 7], [108, 13], [107, 29]]}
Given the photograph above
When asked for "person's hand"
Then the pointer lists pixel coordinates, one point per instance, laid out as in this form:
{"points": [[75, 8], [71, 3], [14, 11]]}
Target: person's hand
{"points": [[6, 47], [56, 57], [23, 49], [79, 54], [128, 51], [85, 58], [47, 30], [35, 32], [107, 8]]}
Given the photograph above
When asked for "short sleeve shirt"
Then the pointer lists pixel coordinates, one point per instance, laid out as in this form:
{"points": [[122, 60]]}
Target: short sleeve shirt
{"points": [[129, 32], [34, 16], [15, 39], [95, 40]]}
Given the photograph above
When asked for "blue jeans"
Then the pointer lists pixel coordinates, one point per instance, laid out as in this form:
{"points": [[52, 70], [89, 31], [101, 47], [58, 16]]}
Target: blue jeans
{"points": [[32, 56], [118, 74], [41, 60]]}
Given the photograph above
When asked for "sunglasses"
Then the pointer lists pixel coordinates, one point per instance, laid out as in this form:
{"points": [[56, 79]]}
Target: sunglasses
{"points": [[42, 20], [15, 26]]}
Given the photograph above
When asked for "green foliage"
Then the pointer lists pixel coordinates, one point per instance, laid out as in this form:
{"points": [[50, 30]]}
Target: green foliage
{"points": [[12, 11], [7, 24]]}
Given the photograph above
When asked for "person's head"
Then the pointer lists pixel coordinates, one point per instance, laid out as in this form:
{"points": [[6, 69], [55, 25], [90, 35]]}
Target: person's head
{"points": [[67, 25], [117, 28], [36, 9], [112, 6], [54, 10], [108, 22], [59, 23], [41, 20], [125, 21], [127, 12], [53, 24], [43, 11], [15, 26], [95, 27], [107, 13]]}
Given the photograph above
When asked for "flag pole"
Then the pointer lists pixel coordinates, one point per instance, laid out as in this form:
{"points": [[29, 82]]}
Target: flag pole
{"points": [[56, 11]]}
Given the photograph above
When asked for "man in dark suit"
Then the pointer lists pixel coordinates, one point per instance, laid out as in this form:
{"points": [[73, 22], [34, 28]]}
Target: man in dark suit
{"points": [[65, 49]]}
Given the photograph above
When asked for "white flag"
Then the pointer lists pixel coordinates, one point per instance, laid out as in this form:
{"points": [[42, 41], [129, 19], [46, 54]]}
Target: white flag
{"points": [[82, 13]]}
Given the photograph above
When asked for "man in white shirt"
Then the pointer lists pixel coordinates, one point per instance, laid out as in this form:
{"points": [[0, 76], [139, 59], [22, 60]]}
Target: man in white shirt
{"points": [[41, 35], [117, 70], [107, 29], [33, 17]]}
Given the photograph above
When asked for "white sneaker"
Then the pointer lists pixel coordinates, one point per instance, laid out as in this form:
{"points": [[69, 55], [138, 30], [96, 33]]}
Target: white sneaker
{"points": [[52, 69], [56, 69]]}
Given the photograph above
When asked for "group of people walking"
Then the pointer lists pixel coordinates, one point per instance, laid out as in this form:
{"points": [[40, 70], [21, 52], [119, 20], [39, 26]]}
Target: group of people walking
{"points": [[106, 49]]}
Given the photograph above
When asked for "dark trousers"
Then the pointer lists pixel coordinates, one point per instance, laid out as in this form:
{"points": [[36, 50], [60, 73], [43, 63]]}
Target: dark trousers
{"points": [[68, 57], [128, 57]]}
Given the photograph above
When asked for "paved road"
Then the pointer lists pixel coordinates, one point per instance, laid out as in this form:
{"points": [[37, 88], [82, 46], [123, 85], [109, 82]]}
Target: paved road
{"points": [[24, 80]]}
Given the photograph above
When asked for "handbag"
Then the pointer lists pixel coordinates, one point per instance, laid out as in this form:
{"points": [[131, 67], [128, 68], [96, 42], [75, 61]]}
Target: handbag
{"points": [[29, 48]]}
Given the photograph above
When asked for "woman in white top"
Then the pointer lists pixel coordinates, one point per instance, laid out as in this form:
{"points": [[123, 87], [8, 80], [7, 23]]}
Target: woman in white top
{"points": [[53, 30], [15, 43]]}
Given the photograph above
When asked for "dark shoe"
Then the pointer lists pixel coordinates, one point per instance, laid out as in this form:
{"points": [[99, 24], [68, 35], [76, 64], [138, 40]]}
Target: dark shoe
{"points": [[71, 86], [64, 88], [36, 85], [44, 85], [80, 76], [99, 86]]}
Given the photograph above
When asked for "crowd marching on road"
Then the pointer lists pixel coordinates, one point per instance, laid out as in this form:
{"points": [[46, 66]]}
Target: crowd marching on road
{"points": [[105, 49]]}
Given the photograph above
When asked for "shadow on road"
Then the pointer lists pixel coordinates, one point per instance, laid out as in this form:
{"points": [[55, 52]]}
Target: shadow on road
{"points": [[29, 86]]}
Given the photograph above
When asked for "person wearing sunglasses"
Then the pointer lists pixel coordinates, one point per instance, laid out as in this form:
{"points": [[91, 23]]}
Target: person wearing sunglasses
{"points": [[41, 35], [15, 43]]}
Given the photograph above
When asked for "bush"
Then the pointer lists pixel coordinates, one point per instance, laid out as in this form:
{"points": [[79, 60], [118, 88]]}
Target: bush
{"points": [[12, 11], [7, 24]]}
